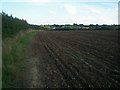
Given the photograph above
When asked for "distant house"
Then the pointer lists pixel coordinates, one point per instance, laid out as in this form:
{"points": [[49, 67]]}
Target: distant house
{"points": [[53, 27], [85, 27]]}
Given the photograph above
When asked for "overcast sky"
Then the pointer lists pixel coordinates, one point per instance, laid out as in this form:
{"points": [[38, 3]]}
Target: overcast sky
{"points": [[63, 11]]}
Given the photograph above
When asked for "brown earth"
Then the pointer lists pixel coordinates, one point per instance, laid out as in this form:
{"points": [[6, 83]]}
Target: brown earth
{"points": [[77, 59]]}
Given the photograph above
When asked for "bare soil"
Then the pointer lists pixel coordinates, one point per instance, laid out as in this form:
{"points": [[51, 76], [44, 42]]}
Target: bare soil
{"points": [[75, 59]]}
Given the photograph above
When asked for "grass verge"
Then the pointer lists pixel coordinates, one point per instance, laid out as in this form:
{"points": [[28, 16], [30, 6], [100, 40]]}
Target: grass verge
{"points": [[13, 59]]}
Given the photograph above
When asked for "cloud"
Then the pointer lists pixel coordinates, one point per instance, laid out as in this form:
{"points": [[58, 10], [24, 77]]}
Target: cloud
{"points": [[108, 3], [95, 14], [34, 1], [71, 9], [82, 14], [92, 14], [39, 1], [88, 14], [60, 0], [52, 12]]}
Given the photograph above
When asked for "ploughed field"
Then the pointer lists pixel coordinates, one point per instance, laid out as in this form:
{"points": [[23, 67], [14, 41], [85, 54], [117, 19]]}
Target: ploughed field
{"points": [[76, 59]]}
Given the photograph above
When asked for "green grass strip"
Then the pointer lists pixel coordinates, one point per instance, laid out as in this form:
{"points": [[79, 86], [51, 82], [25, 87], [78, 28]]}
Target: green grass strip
{"points": [[14, 61]]}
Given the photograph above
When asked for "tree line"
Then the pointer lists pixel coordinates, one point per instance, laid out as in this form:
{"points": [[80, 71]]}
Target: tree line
{"points": [[12, 25], [84, 27]]}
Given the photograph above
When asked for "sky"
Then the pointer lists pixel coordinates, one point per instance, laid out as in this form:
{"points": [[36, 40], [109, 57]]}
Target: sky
{"points": [[63, 11]]}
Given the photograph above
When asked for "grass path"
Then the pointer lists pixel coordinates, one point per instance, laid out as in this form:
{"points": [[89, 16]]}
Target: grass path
{"points": [[13, 59]]}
